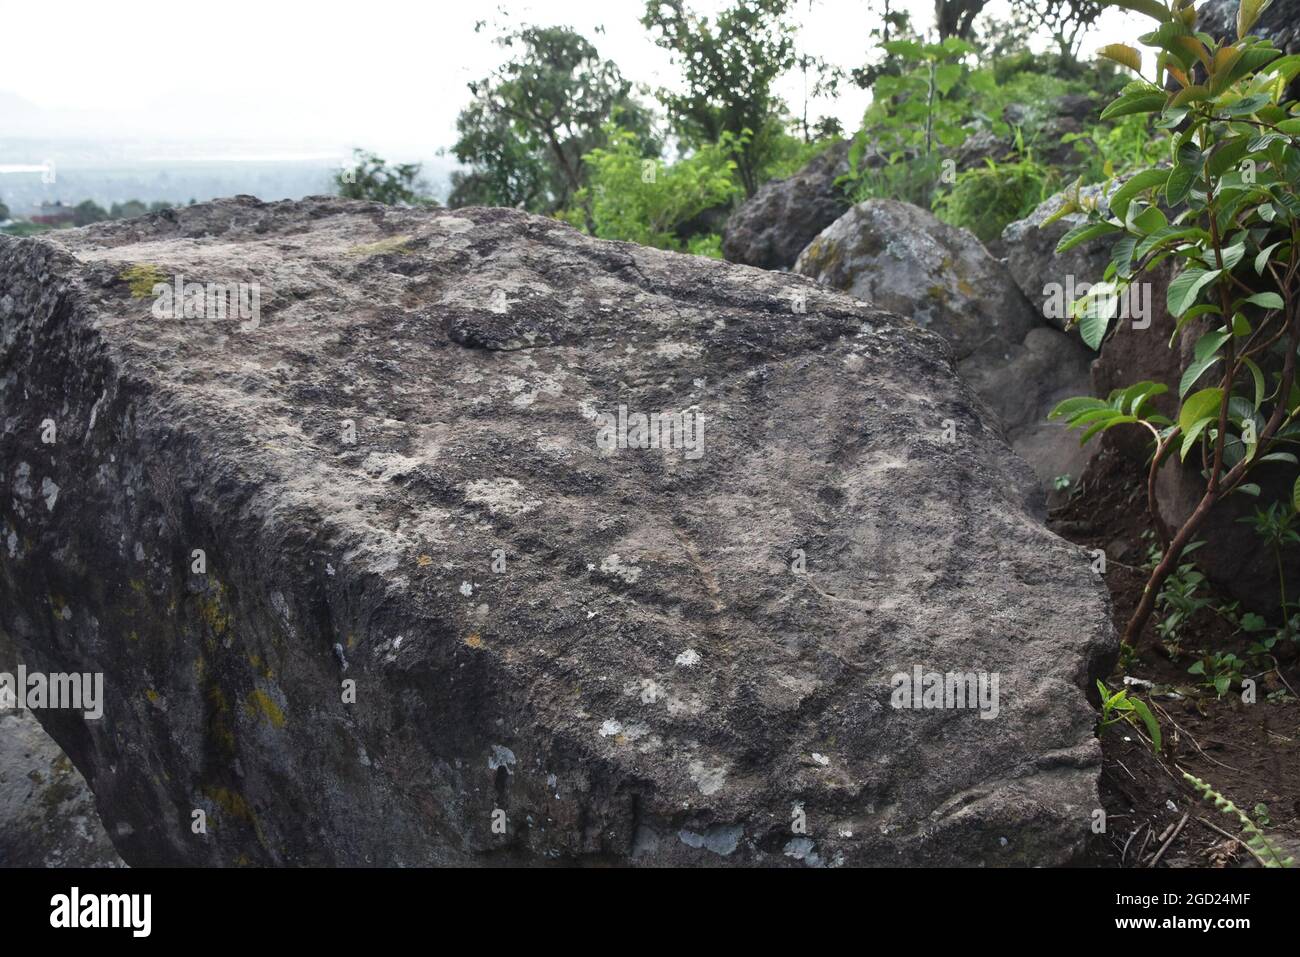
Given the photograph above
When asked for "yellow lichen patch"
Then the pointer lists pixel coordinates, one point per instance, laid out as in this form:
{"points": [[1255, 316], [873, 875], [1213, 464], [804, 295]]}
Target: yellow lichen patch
{"points": [[351, 641], [424, 561], [153, 696], [394, 244], [57, 605], [133, 636], [474, 641], [261, 667], [262, 704], [213, 611], [141, 278], [232, 803]]}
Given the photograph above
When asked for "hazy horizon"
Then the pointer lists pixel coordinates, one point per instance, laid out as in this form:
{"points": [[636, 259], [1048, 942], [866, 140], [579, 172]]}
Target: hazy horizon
{"points": [[291, 112]]}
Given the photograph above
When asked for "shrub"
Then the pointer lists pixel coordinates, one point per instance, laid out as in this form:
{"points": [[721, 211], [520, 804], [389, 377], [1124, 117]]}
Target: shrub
{"points": [[987, 198], [643, 200], [1232, 195]]}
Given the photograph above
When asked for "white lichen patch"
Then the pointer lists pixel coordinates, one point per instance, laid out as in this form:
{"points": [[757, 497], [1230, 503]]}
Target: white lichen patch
{"points": [[500, 496], [679, 350], [613, 565], [688, 658], [22, 484], [708, 780], [49, 492], [501, 757], [385, 466]]}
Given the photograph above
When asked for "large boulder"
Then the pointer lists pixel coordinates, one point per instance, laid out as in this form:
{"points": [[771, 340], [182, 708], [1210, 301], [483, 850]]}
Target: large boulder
{"points": [[770, 228], [902, 258], [400, 473]]}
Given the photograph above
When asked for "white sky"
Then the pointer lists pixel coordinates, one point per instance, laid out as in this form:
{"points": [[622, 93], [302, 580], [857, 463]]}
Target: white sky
{"points": [[385, 74]]}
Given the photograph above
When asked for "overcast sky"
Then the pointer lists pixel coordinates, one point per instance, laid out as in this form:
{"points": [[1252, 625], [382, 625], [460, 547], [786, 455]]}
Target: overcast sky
{"points": [[384, 74]]}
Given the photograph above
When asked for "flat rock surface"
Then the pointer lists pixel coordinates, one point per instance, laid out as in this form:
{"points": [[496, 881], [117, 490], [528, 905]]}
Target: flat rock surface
{"points": [[562, 653]]}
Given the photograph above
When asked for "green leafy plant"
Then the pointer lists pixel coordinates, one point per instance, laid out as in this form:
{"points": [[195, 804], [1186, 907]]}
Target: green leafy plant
{"points": [[1274, 524], [915, 110], [1179, 600], [985, 199], [641, 200], [1257, 842], [1118, 706], [1219, 671], [1119, 146], [1225, 212]]}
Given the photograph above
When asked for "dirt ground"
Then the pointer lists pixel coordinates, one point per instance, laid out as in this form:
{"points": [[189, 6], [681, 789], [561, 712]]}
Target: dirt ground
{"points": [[1249, 752]]}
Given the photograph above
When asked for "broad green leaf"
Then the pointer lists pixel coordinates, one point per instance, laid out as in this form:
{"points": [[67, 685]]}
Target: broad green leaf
{"points": [[1082, 233], [1123, 54], [1104, 424], [1266, 300], [1152, 8], [1262, 259], [1146, 221], [1185, 287], [1153, 729], [1198, 406], [1071, 407], [1247, 13], [1121, 255], [1134, 185], [1142, 101], [1179, 184], [1248, 104], [946, 77], [1206, 353]]}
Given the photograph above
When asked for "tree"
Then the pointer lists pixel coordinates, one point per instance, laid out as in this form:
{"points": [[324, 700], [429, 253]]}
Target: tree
{"points": [[534, 118], [894, 24], [1065, 20], [128, 210], [87, 212], [728, 66], [373, 179], [956, 18]]}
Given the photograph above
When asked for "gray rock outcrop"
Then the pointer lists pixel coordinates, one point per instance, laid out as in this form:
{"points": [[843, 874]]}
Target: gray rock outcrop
{"points": [[902, 258], [397, 473], [770, 228]]}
